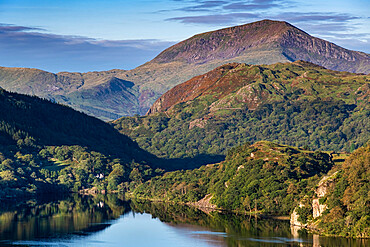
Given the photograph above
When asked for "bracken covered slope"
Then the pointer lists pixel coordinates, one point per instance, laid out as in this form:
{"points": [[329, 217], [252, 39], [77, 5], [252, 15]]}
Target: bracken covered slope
{"points": [[297, 103], [234, 84]]}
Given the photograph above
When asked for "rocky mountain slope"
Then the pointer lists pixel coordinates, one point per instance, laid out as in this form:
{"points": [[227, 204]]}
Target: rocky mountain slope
{"points": [[297, 103], [111, 94], [264, 42]]}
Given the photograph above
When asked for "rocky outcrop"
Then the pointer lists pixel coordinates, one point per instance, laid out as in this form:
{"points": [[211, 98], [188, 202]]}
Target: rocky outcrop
{"points": [[295, 216], [321, 191], [324, 184], [200, 123], [317, 208], [204, 204]]}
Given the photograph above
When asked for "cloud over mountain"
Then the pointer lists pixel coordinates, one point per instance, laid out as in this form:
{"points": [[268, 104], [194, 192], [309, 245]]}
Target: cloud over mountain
{"points": [[23, 46]]}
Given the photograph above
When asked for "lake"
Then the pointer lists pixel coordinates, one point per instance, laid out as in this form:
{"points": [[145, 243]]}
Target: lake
{"points": [[113, 221]]}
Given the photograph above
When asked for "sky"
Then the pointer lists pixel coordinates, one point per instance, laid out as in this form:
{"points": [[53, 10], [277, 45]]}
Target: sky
{"points": [[94, 35]]}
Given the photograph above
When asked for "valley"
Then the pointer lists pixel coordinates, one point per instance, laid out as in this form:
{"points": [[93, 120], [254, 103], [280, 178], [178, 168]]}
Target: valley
{"points": [[259, 120]]}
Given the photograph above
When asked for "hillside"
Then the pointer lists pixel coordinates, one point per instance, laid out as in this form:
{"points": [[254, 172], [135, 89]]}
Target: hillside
{"points": [[47, 147], [100, 94], [115, 93], [348, 201], [45, 123], [263, 177], [297, 103], [262, 42], [341, 203]]}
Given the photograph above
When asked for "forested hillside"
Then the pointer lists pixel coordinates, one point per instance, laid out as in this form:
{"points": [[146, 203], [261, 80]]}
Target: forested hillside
{"points": [[329, 197], [298, 104], [50, 147], [264, 177], [341, 203], [348, 200]]}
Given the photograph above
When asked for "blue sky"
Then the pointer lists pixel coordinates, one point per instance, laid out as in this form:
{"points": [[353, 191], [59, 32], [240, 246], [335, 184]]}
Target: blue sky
{"points": [[86, 35]]}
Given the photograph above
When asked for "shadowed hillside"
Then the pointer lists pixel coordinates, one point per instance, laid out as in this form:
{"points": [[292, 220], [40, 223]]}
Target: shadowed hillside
{"points": [[50, 148], [46, 148]]}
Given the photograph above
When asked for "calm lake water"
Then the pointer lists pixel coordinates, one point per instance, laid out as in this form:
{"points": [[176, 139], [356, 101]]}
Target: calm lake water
{"points": [[112, 221]]}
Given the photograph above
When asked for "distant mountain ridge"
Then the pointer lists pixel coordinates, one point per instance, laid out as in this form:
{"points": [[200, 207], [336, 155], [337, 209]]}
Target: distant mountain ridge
{"points": [[115, 93], [91, 92], [238, 41]]}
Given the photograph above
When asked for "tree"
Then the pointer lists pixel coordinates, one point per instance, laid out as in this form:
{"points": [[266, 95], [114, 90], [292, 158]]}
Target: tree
{"points": [[247, 203]]}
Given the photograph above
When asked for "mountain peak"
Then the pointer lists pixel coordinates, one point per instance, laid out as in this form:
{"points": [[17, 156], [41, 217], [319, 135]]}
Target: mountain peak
{"points": [[265, 41], [227, 43], [261, 42], [266, 23]]}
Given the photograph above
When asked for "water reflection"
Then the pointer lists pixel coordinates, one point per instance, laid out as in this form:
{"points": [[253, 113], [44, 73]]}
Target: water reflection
{"points": [[112, 221], [76, 214], [234, 230]]}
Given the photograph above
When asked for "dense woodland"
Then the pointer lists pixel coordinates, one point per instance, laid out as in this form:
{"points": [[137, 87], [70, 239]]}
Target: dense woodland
{"points": [[318, 125], [264, 177], [50, 147], [268, 178], [348, 212]]}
